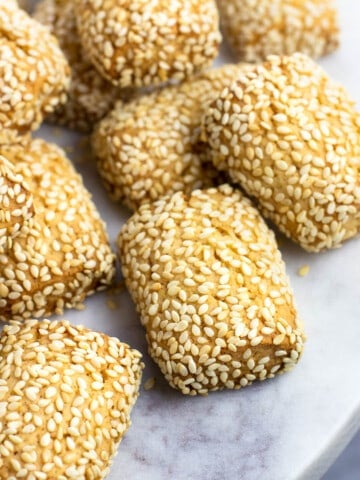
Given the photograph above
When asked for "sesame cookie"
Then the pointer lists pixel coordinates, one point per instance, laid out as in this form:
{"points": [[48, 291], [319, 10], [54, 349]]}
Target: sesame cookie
{"points": [[66, 394], [90, 96], [210, 286], [136, 43], [16, 203], [290, 136], [150, 146], [34, 73], [256, 29], [65, 255]]}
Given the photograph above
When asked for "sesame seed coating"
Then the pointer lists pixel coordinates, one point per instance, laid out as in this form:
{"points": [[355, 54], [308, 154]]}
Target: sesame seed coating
{"points": [[16, 203], [290, 136], [65, 255], [258, 28], [150, 147], [34, 73], [66, 394], [136, 43], [210, 286], [90, 96]]}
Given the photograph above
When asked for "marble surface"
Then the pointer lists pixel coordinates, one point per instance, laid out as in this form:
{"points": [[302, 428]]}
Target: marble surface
{"points": [[347, 466], [284, 429]]}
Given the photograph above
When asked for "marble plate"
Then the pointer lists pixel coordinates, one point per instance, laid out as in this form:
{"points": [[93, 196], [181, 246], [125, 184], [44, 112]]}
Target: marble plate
{"points": [[284, 429]]}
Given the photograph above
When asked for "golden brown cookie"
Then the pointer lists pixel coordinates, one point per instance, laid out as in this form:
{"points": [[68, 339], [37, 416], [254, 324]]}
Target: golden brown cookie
{"points": [[150, 146], [65, 255], [258, 28], [34, 73], [290, 136], [90, 96], [136, 43], [16, 203], [66, 394], [210, 286]]}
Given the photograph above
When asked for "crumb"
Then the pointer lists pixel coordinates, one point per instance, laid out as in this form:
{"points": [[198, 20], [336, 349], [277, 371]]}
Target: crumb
{"points": [[111, 304], [80, 307], [116, 289]]}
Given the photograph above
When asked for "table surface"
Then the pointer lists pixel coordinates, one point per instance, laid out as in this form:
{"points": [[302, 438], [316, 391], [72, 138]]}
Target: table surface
{"points": [[347, 466], [288, 428]]}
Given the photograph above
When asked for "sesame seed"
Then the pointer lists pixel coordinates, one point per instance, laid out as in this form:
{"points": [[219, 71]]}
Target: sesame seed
{"points": [[304, 271], [32, 393], [45, 440], [150, 383]]}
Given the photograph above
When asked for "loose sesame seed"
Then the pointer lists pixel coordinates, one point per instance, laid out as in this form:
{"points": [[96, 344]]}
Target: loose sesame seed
{"points": [[304, 271], [150, 383]]}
